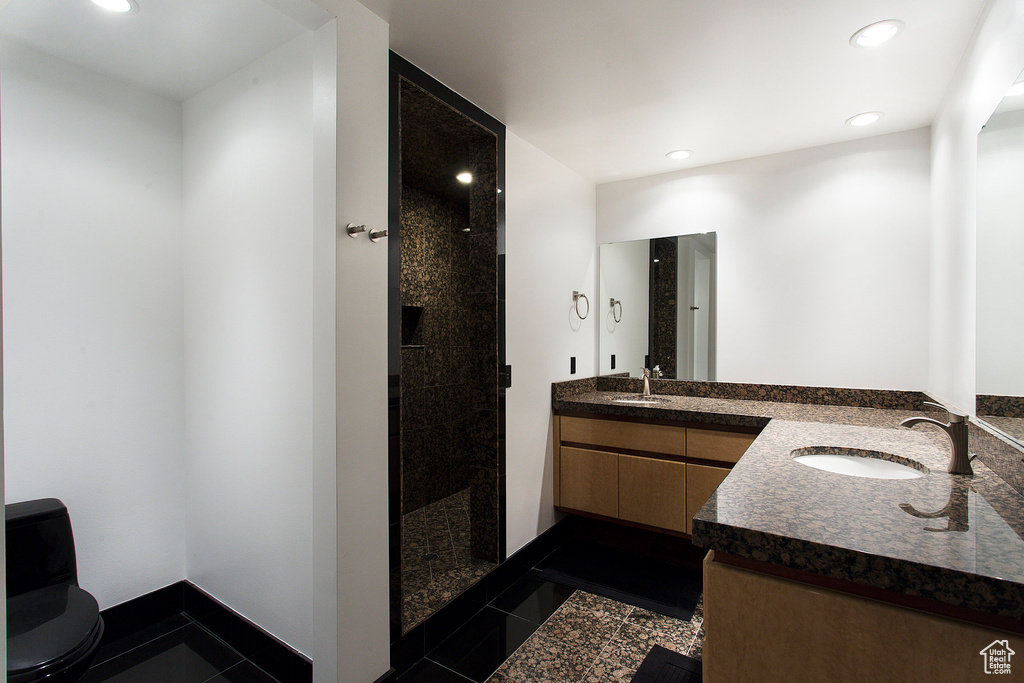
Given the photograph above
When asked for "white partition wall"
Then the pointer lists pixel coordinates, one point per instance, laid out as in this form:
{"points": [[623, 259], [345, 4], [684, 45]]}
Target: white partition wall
{"points": [[92, 270]]}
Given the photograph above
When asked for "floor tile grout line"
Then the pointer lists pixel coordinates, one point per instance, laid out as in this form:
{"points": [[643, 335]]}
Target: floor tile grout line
{"points": [[451, 670], [696, 633], [532, 635], [144, 643], [224, 671], [614, 635], [605, 647]]}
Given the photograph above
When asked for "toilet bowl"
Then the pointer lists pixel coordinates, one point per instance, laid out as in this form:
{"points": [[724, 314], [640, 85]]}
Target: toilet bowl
{"points": [[53, 626]]}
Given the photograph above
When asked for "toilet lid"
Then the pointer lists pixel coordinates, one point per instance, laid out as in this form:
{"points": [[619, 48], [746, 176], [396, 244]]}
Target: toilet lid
{"points": [[49, 624]]}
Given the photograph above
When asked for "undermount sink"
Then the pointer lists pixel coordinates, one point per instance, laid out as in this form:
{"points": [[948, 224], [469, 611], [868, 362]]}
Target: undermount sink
{"points": [[637, 400], [856, 462]]}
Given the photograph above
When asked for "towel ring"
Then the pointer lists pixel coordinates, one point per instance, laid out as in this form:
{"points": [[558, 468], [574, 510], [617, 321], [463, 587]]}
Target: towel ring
{"points": [[576, 296], [613, 303]]}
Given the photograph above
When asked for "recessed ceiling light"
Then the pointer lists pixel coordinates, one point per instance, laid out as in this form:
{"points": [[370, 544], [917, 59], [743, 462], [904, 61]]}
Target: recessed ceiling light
{"points": [[1016, 89], [465, 177], [119, 6], [679, 154], [865, 118], [877, 33]]}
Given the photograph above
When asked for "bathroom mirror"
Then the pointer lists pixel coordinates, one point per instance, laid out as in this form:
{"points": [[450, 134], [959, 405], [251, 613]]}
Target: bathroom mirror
{"points": [[657, 307], [1000, 315]]}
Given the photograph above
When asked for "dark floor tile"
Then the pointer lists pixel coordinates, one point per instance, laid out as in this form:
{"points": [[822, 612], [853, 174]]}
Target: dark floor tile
{"points": [[532, 598], [625, 577], [427, 671], [187, 655], [478, 648], [244, 672], [109, 650]]}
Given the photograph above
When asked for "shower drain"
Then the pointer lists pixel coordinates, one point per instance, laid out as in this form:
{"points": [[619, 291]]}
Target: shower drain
{"points": [[429, 556]]}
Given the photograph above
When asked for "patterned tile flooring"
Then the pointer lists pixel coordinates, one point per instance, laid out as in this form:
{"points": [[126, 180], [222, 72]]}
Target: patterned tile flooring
{"points": [[436, 560], [592, 639]]}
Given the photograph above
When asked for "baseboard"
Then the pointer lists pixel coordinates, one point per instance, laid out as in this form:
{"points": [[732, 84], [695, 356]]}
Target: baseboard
{"points": [[261, 648]]}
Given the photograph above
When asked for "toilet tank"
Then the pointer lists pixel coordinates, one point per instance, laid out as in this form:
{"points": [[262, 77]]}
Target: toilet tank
{"points": [[40, 546]]}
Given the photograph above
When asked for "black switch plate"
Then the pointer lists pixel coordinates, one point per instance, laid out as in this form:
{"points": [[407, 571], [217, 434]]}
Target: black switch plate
{"points": [[613, 361], [505, 377], [572, 365]]}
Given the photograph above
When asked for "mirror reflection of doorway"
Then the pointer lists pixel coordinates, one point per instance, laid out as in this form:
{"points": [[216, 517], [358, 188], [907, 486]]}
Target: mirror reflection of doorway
{"points": [[700, 330]]}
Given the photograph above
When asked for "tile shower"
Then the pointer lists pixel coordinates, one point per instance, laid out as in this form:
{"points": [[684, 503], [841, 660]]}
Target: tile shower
{"points": [[448, 394]]}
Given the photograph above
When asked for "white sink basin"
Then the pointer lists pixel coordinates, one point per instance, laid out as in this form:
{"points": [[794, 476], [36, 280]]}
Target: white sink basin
{"points": [[856, 462], [636, 400]]}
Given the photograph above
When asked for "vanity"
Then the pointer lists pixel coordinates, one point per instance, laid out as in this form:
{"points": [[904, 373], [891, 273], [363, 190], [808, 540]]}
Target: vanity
{"points": [[642, 471], [811, 574]]}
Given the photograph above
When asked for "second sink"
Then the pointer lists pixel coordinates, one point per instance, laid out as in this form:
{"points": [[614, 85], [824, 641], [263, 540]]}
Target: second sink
{"points": [[856, 462]]}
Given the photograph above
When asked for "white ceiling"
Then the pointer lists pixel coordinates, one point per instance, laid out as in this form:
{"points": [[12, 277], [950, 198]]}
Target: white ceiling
{"points": [[607, 87], [174, 48]]}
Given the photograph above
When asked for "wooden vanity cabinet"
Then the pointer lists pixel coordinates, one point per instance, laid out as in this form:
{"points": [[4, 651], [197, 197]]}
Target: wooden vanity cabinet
{"points": [[590, 481], [653, 492], [701, 482], [653, 475]]}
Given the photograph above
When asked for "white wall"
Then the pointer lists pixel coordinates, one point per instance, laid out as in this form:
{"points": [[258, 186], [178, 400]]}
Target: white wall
{"points": [[822, 265], [361, 328], [625, 276], [1000, 246], [325, 448], [549, 218], [990, 64], [92, 262], [248, 234]]}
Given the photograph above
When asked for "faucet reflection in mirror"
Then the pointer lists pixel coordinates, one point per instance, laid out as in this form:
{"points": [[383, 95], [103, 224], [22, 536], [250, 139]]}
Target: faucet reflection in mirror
{"points": [[670, 285], [1000, 240]]}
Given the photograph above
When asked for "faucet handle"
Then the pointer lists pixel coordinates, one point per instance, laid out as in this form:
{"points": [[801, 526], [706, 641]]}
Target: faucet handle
{"points": [[953, 415]]}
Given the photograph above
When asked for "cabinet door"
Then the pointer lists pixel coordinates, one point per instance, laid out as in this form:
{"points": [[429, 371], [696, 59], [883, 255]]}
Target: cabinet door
{"points": [[701, 482], [711, 444], [589, 481], [636, 436], [652, 492]]}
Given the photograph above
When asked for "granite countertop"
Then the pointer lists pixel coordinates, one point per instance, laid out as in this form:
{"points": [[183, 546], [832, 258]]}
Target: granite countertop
{"points": [[774, 509]]}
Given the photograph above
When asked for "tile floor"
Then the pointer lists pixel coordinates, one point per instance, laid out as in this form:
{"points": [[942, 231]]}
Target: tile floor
{"points": [[176, 650], [436, 560], [541, 632]]}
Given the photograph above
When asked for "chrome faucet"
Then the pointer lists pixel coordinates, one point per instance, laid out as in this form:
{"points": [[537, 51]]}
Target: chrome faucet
{"points": [[647, 383], [956, 430]]}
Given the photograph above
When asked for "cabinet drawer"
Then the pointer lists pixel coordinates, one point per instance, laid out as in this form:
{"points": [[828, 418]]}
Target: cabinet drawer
{"points": [[708, 444], [589, 481], [635, 436], [653, 492], [701, 482]]}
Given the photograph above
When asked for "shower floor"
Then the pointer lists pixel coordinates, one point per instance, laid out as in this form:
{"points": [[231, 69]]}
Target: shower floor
{"points": [[436, 560]]}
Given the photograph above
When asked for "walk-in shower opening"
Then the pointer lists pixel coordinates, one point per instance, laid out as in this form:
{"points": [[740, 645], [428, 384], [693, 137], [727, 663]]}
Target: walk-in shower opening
{"points": [[448, 380]]}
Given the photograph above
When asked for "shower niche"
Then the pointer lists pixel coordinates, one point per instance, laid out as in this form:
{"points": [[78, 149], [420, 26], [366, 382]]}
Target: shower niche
{"points": [[446, 345]]}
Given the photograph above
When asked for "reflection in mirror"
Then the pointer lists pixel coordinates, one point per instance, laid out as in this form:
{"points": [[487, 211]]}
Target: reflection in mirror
{"points": [[657, 304], [1000, 372]]}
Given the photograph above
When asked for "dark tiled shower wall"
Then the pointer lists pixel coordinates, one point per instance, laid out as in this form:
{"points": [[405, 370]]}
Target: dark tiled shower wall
{"points": [[664, 301], [449, 363], [483, 324]]}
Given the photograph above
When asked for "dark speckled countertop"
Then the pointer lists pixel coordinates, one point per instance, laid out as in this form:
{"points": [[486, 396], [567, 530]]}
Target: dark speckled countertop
{"points": [[774, 509]]}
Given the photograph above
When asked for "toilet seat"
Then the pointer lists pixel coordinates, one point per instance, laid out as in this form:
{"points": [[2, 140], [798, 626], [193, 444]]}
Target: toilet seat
{"points": [[49, 629]]}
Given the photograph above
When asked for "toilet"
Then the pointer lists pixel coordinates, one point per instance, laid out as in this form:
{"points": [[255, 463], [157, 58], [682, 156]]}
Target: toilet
{"points": [[53, 626]]}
